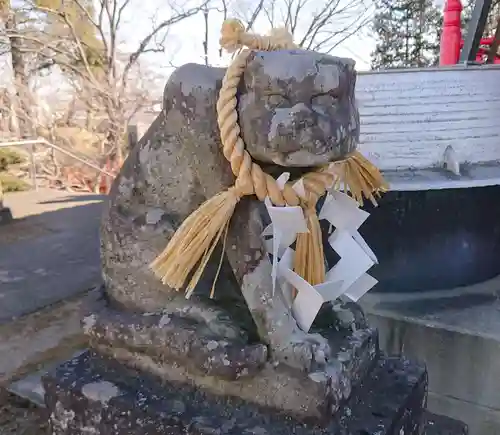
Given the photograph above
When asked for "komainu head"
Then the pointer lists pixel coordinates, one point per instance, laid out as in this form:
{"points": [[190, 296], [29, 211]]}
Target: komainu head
{"points": [[297, 107]]}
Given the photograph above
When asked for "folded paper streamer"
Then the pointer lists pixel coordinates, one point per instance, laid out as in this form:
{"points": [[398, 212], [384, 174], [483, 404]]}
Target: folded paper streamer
{"points": [[287, 222], [354, 261], [344, 214], [342, 211], [348, 277], [306, 305]]}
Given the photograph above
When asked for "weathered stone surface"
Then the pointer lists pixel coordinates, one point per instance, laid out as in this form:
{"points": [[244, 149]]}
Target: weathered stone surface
{"points": [[309, 100], [93, 395], [174, 339], [298, 110], [178, 349]]}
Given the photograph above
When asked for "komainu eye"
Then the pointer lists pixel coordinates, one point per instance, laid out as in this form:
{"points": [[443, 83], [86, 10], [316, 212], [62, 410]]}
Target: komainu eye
{"points": [[324, 100], [276, 100]]}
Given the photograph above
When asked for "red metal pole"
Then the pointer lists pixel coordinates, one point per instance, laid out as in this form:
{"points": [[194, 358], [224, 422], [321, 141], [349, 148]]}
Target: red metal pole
{"points": [[452, 33]]}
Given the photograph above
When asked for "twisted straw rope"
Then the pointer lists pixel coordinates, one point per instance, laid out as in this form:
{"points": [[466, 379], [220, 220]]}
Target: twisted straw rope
{"points": [[250, 178]]}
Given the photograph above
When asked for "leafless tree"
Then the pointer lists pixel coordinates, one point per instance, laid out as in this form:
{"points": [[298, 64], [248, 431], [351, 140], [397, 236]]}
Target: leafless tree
{"points": [[12, 44], [99, 70]]}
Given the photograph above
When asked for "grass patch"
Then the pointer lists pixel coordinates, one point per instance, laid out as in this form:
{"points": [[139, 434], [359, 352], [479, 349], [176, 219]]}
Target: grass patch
{"points": [[13, 184], [9, 157], [9, 182]]}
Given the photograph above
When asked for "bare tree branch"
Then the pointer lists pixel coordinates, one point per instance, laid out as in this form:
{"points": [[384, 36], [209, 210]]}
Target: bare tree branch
{"points": [[255, 14], [315, 24], [176, 18]]}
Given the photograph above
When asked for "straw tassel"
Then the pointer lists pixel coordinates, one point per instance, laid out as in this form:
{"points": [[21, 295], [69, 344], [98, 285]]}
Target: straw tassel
{"points": [[194, 242], [309, 260], [361, 177]]}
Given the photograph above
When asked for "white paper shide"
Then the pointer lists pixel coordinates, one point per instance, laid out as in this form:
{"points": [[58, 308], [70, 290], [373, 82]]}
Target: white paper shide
{"points": [[348, 277]]}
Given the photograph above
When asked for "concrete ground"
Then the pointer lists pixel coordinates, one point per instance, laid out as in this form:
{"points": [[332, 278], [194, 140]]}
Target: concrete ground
{"points": [[49, 259], [50, 251]]}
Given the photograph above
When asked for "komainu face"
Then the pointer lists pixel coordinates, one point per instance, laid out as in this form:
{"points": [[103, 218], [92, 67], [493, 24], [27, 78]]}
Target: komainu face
{"points": [[297, 108]]}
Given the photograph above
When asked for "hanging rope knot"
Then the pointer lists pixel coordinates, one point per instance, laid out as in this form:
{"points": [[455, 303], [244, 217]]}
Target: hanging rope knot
{"points": [[192, 245], [239, 190], [234, 36], [232, 33], [282, 38]]}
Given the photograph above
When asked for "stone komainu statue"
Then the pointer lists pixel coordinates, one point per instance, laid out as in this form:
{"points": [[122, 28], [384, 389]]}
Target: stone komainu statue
{"points": [[292, 110], [189, 195]]}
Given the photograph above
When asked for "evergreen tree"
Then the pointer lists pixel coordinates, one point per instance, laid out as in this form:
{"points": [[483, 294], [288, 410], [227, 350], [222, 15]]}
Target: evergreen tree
{"points": [[407, 33]]}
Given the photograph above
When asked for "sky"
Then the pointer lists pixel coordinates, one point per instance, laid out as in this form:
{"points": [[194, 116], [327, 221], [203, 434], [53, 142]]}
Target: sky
{"points": [[184, 40]]}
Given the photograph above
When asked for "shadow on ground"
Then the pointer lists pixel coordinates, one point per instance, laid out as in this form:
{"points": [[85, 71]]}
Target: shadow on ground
{"points": [[76, 198], [49, 256]]}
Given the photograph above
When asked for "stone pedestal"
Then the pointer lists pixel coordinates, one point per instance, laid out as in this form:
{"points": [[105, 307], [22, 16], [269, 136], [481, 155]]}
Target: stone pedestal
{"points": [[95, 394], [135, 380]]}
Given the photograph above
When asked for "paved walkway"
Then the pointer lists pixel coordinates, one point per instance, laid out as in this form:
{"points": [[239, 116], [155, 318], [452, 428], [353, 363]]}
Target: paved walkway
{"points": [[50, 251]]}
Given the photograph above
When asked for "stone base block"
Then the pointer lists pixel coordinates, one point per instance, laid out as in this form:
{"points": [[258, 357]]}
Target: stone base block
{"points": [[176, 351], [92, 394], [5, 215]]}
